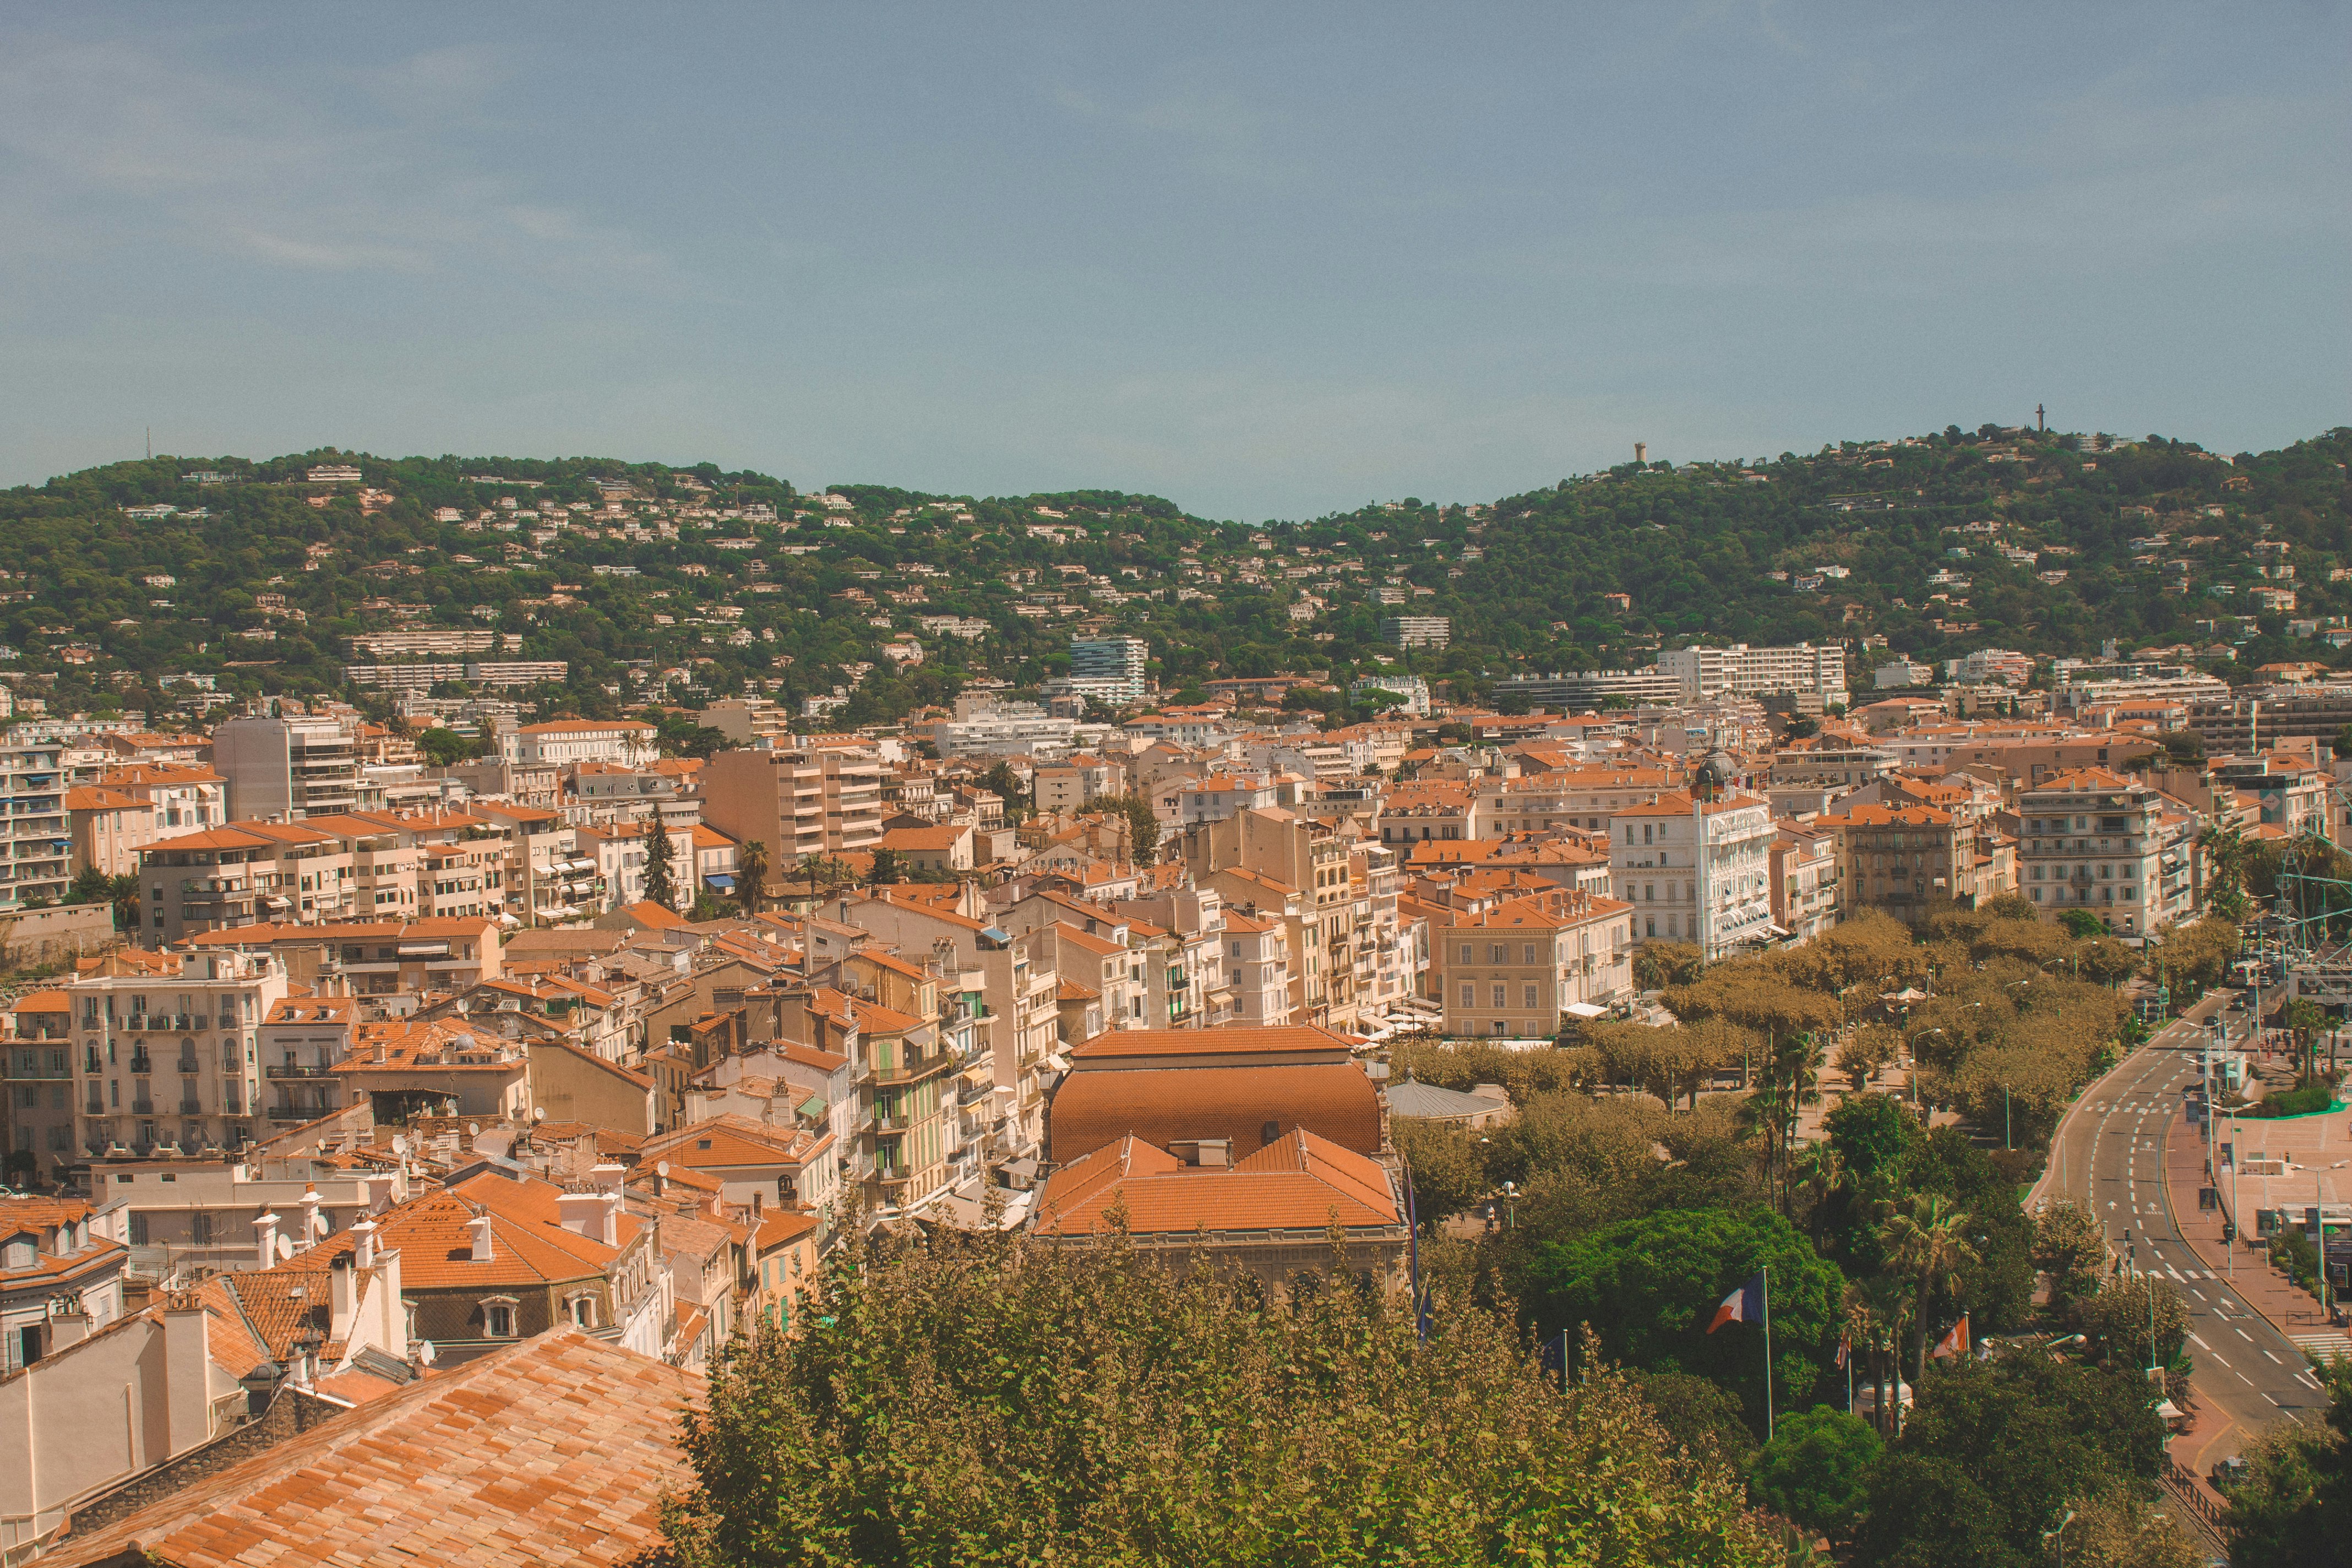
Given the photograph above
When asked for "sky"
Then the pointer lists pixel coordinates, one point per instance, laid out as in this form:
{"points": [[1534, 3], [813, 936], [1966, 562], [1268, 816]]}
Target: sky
{"points": [[1266, 261]]}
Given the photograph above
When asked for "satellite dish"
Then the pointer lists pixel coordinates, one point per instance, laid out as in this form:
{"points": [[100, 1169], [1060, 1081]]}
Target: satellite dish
{"points": [[400, 1143], [473, 1130], [538, 1113], [661, 1167]]}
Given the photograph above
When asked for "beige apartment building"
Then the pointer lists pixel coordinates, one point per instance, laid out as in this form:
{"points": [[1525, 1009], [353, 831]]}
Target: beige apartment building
{"points": [[1910, 860], [797, 800], [1522, 967], [2096, 840]]}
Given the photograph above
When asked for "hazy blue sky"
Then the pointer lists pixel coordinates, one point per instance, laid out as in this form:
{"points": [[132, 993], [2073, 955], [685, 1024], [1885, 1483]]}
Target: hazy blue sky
{"points": [[1266, 260]]}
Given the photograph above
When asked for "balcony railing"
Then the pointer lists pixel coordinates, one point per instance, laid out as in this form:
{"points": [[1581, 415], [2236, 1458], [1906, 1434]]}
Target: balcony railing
{"points": [[141, 1062], [142, 1108], [191, 1108], [188, 1065], [288, 1069]]}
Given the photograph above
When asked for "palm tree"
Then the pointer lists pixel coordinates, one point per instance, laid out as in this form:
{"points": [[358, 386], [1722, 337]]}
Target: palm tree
{"points": [[1929, 1243], [1874, 1325], [1823, 1170], [750, 874]]}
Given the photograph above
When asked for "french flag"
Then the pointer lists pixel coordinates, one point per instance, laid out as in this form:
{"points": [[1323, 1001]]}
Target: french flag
{"points": [[1745, 1305]]}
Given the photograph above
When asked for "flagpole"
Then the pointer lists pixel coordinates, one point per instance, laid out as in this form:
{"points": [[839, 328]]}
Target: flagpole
{"points": [[1767, 1272]]}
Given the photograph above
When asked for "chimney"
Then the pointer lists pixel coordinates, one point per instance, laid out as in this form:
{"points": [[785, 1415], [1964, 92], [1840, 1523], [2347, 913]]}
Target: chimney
{"points": [[187, 1361], [363, 1247], [265, 1240], [310, 1216], [342, 1295], [607, 1176], [578, 1212], [608, 1220], [479, 1229]]}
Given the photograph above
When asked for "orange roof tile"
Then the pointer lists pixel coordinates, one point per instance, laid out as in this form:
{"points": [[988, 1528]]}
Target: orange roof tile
{"points": [[1299, 1183], [554, 1450]]}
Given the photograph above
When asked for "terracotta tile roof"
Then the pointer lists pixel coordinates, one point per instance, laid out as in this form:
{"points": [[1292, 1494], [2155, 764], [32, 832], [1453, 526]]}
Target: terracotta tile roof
{"points": [[1161, 1105], [554, 1450], [1300, 1182], [1231, 1040], [735, 1140], [45, 1002], [1888, 817]]}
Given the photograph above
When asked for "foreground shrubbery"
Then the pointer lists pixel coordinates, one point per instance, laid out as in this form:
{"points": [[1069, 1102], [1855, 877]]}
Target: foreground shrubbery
{"points": [[965, 1401]]}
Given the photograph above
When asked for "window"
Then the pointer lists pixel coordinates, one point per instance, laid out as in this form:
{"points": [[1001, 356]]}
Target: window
{"points": [[498, 1322], [1469, 994], [1498, 952], [1529, 957], [1465, 952], [1501, 993], [1529, 999]]}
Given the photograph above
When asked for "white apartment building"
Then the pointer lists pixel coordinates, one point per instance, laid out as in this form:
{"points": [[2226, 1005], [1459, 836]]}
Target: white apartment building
{"points": [[1412, 688], [1695, 871], [1257, 968], [1417, 631], [983, 727], [568, 741], [1108, 667], [173, 1059], [1740, 670], [1804, 880], [35, 834], [2094, 840]]}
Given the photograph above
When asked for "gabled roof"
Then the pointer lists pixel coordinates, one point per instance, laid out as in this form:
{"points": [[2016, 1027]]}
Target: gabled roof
{"points": [[555, 1450], [1299, 1183]]}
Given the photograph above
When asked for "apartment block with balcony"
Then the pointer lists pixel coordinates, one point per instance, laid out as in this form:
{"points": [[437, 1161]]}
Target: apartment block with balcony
{"points": [[303, 1039], [1695, 871], [813, 799], [1805, 879], [36, 833], [169, 1058], [282, 769], [38, 1062], [1523, 967], [245, 873], [1907, 861], [2096, 840]]}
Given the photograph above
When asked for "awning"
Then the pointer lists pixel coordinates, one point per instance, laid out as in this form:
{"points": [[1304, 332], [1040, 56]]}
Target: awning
{"points": [[724, 882], [424, 949], [1584, 1010], [276, 902]]}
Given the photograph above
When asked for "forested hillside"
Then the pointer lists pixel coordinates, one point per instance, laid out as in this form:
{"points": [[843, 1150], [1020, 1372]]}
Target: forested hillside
{"points": [[680, 583]]}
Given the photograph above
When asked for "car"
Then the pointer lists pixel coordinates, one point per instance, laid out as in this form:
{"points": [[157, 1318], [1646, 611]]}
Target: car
{"points": [[2227, 1473]]}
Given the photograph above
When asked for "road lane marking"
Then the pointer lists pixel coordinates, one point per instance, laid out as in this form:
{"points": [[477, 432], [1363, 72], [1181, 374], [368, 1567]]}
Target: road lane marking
{"points": [[2199, 1338], [2274, 1357]]}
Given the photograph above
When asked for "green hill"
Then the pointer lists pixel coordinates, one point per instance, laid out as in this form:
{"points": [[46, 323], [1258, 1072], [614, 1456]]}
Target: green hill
{"points": [[660, 581]]}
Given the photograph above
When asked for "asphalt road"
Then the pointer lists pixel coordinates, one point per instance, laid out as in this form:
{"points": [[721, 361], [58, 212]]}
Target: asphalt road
{"points": [[2110, 1155]]}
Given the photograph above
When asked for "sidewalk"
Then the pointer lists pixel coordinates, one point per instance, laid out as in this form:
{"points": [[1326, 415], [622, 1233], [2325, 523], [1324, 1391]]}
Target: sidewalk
{"points": [[2293, 1311]]}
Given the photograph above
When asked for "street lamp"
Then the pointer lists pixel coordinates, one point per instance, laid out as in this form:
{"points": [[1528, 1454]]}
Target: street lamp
{"points": [[1510, 1210], [2060, 1533]]}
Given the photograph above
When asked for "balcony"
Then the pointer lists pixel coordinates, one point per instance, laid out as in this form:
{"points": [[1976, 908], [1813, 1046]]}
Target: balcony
{"points": [[288, 1070], [141, 1062], [892, 1121], [188, 1065], [191, 1108], [142, 1106], [916, 1069]]}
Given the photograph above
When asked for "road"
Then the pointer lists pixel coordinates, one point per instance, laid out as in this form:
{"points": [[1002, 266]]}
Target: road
{"points": [[2109, 1153]]}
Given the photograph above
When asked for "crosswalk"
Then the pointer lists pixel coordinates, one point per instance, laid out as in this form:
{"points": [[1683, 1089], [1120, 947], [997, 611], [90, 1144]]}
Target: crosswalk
{"points": [[2322, 1347]]}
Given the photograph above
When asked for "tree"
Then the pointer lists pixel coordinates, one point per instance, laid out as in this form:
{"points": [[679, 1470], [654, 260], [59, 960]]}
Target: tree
{"points": [[661, 888], [992, 1399], [814, 868], [1142, 824], [1996, 1452], [1447, 1177], [2082, 924], [443, 747], [2293, 1506], [2070, 1245], [1813, 1469], [89, 886], [1929, 1243], [1650, 1286], [752, 874], [1005, 784], [886, 868], [2116, 1319]]}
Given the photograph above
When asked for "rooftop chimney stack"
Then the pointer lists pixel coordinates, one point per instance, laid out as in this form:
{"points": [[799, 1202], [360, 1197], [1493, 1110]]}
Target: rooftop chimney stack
{"points": [[265, 1239], [479, 1230], [364, 1244]]}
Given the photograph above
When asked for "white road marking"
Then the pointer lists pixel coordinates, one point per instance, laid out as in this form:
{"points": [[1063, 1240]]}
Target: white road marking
{"points": [[2199, 1338], [2274, 1357]]}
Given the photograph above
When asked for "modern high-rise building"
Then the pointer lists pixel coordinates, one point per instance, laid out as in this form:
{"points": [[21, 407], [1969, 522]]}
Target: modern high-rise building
{"points": [[1740, 670], [1111, 668], [35, 835], [285, 769], [1417, 631], [795, 800]]}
